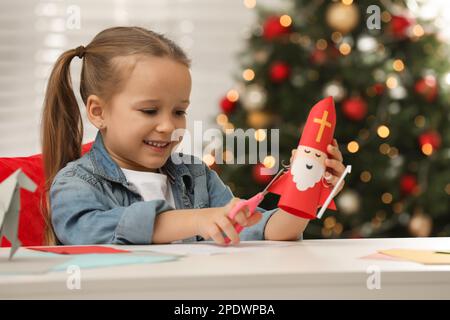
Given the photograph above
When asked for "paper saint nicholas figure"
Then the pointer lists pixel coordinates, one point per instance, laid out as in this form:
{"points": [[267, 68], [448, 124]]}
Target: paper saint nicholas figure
{"points": [[303, 188]]}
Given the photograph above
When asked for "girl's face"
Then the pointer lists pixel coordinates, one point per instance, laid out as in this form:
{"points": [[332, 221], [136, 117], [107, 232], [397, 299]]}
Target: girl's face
{"points": [[140, 120]]}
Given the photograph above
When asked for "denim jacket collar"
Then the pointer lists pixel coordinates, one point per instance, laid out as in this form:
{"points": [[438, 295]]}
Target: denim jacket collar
{"points": [[105, 167]]}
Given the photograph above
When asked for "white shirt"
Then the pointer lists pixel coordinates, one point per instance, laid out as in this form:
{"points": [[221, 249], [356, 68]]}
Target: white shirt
{"points": [[151, 185]]}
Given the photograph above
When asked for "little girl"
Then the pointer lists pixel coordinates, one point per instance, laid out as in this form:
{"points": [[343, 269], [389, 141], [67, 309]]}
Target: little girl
{"points": [[136, 85]]}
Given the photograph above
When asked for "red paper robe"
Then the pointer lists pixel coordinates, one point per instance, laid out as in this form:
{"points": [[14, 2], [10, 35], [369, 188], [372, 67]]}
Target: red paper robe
{"points": [[300, 203]]}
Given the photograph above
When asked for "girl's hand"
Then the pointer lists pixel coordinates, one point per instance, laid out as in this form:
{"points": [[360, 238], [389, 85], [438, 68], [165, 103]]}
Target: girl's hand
{"points": [[335, 167], [212, 222]]}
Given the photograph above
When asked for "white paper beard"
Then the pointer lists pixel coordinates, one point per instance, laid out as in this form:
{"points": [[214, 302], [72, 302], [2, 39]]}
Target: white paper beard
{"points": [[303, 177]]}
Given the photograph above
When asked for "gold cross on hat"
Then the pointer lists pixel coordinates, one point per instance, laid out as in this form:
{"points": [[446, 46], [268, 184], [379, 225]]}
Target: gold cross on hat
{"points": [[323, 123]]}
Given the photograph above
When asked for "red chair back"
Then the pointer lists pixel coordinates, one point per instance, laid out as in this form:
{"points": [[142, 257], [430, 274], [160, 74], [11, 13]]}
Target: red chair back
{"points": [[31, 219]]}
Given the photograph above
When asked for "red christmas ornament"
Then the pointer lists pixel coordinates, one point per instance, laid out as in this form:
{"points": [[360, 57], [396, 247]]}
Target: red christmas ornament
{"points": [[408, 184], [227, 105], [354, 108], [378, 88], [427, 88], [279, 71], [431, 137], [273, 29], [318, 57], [332, 51], [258, 176], [399, 26]]}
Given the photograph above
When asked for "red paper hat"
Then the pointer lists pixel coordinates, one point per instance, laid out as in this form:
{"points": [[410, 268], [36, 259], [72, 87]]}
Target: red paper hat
{"points": [[319, 128]]}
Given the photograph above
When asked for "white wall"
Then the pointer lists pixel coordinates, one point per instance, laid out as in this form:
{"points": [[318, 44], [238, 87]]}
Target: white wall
{"points": [[34, 33]]}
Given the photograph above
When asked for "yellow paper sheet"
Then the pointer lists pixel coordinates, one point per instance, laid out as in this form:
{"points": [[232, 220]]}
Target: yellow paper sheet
{"points": [[420, 256]]}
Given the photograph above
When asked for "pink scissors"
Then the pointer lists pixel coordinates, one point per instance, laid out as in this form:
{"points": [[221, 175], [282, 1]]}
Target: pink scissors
{"points": [[252, 203]]}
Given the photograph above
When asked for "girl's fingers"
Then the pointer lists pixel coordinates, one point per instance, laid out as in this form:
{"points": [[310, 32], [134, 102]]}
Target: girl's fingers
{"points": [[241, 217], [335, 143], [332, 179], [233, 202], [254, 219], [226, 226], [335, 152], [336, 165], [216, 235]]}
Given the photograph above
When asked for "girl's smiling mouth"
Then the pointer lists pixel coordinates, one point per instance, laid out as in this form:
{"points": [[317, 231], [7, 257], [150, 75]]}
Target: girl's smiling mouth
{"points": [[158, 146]]}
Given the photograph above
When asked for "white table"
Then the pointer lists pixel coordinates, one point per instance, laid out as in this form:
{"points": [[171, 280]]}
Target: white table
{"points": [[308, 269]]}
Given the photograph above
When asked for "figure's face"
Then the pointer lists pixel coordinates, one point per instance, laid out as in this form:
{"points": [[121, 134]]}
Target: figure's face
{"points": [[141, 119], [312, 153], [308, 167]]}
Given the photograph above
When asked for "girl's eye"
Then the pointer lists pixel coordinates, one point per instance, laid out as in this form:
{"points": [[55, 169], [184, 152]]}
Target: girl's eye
{"points": [[317, 155], [181, 113], [307, 151], [149, 111]]}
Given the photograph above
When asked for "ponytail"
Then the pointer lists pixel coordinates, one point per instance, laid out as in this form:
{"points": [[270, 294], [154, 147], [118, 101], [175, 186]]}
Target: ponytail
{"points": [[62, 129]]}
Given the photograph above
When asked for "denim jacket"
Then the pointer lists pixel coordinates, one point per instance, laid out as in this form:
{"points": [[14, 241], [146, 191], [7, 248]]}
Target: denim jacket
{"points": [[92, 202]]}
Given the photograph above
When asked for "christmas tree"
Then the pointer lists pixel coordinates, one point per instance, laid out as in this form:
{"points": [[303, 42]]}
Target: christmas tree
{"points": [[388, 73]]}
